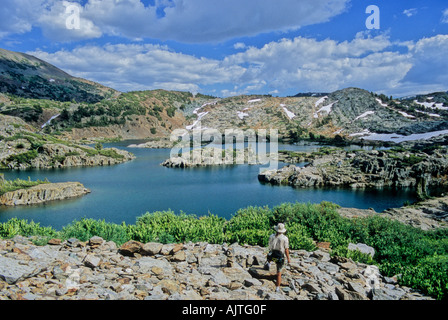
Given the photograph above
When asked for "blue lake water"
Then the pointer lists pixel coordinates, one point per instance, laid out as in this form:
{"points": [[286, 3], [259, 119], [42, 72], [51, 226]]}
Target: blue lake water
{"points": [[123, 192]]}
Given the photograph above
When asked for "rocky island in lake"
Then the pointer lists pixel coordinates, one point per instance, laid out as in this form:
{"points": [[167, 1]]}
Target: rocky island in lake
{"points": [[24, 147], [397, 167], [43, 193], [27, 192]]}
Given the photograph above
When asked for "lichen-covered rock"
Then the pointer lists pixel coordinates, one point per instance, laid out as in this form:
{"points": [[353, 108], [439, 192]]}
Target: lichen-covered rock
{"points": [[97, 270], [366, 169]]}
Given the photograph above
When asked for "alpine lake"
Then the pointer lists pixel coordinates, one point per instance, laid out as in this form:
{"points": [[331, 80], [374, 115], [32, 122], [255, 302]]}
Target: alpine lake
{"points": [[123, 192]]}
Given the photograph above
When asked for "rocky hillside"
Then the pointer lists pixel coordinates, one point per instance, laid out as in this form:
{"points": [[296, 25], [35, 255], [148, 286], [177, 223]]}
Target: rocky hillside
{"points": [[99, 270], [51, 100], [151, 115], [397, 168], [349, 113], [21, 147], [27, 76]]}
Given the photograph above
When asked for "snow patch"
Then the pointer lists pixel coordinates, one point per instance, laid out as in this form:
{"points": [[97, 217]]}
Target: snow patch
{"points": [[241, 115], [321, 100], [432, 105], [49, 121], [404, 114], [288, 113], [326, 109], [200, 115], [339, 131], [381, 102], [394, 137], [363, 133], [365, 114], [254, 100], [435, 115]]}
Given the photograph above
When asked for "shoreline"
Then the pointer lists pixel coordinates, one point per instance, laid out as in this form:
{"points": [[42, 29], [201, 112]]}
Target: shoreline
{"points": [[43, 193]]}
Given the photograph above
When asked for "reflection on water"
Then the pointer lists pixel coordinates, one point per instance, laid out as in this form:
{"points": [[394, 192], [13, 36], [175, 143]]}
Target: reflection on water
{"points": [[123, 192]]}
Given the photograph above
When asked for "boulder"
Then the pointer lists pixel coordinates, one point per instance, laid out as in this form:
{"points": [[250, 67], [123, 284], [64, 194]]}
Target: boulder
{"points": [[43, 193], [361, 247], [96, 241], [261, 273], [151, 248], [92, 261], [130, 248], [13, 271]]}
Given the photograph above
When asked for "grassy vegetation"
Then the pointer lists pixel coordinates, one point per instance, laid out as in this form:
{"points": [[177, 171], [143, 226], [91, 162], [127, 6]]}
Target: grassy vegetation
{"points": [[13, 185], [36, 141], [98, 113], [420, 257]]}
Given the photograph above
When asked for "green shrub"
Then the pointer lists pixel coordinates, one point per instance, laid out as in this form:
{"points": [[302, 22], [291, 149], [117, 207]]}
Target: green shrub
{"points": [[84, 229], [421, 257], [13, 185], [24, 228], [299, 238], [171, 111], [167, 226], [430, 276], [25, 157]]}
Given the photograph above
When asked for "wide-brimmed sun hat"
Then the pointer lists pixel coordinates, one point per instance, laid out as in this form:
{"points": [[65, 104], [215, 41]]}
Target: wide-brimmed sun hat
{"points": [[280, 228]]}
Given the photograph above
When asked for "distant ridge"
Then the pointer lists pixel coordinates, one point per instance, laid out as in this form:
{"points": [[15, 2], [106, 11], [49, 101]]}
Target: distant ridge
{"points": [[80, 109], [29, 77], [311, 94]]}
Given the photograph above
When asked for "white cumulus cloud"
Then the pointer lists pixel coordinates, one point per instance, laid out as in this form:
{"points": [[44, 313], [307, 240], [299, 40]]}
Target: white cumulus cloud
{"points": [[18, 16], [180, 20], [288, 65], [410, 12], [309, 64], [128, 67]]}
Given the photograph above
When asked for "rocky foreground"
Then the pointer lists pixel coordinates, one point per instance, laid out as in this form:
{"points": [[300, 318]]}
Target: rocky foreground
{"points": [[99, 270], [44, 193]]}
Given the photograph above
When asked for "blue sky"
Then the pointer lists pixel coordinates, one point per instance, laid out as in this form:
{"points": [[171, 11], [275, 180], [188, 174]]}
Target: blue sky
{"points": [[233, 47]]}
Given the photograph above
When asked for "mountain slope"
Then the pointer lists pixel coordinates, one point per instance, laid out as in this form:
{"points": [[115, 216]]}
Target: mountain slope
{"points": [[351, 113], [27, 76], [53, 101], [21, 147]]}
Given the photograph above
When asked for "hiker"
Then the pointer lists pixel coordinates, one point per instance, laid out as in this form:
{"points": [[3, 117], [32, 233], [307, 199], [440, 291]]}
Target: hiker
{"points": [[278, 248]]}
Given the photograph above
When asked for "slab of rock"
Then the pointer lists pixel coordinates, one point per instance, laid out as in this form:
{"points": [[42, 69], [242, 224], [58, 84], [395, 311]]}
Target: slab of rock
{"points": [[13, 271], [43, 193], [151, 248], [261, 273], [98, 270], [130, 248], [361, 247]]}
